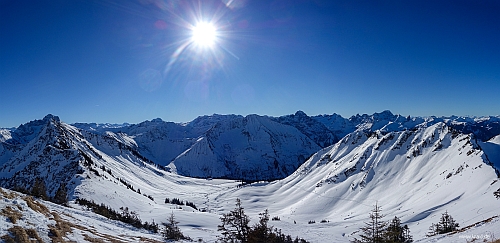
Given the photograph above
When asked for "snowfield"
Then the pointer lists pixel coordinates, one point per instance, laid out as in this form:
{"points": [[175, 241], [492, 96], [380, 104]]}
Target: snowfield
{"points": [[415, 169]]}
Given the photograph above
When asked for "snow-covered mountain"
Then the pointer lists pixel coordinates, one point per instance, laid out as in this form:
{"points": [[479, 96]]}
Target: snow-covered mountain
{"points": [[415, 172], [219, 146], [484, 128], [250, 148], [310, 127], [415, 175], [173, 144]]}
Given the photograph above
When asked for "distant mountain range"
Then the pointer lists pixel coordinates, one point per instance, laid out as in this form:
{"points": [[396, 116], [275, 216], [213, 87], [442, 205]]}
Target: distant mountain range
{"points": [[248, 148]]}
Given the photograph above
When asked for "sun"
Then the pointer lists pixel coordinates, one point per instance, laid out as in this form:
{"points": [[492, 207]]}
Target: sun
{"points": [[204, 34]]}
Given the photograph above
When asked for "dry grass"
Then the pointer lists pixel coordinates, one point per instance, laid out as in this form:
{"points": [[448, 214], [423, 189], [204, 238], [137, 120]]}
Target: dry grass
{"points": [[63, 227], [91, 239], [143, 239], [58, 231], [21, 235], [12, 214], [8, 195], [36, 206], [33, 234]]}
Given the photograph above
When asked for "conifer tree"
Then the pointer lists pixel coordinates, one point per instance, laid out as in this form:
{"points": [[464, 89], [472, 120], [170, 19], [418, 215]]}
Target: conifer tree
{"points": [[261, 232], [172, 231], [445, 225], [61, 196], [374, 230], [234, 227], [395, 233], [39, 189]]}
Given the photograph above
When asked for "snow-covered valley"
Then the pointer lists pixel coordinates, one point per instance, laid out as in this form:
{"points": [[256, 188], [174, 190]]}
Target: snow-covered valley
{"points": [[414, 168]]}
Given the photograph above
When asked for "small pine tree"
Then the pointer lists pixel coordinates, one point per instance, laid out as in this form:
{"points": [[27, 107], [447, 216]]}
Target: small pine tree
{"points": [[395, 233], [61, 196], [374, 230], [261, 232], [172, 231], [445, 225], [39, 189], [234, 227]]}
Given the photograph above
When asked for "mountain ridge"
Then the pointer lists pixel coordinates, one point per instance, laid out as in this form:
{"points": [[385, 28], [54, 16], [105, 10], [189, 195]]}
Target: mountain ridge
{"points": [[430, 165], [172, 144]]}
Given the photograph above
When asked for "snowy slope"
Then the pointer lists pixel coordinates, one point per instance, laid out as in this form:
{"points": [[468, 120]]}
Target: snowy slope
{"points": [[159, 141], [180, 145], [107, 168], [251, 148], [5, 134], [415, 175], [47, 218]]}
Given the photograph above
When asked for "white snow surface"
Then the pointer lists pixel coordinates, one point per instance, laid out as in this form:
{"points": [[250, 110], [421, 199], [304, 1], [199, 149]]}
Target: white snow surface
{"points": [[5, 134], [417, 187], [415, 175]]}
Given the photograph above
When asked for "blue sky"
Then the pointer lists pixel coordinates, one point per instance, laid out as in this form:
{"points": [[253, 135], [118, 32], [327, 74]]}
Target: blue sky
{"points": [[129, 61]]}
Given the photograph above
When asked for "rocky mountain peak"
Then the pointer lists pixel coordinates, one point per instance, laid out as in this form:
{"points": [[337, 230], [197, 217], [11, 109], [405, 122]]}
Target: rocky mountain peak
{"points": [[51, 117]]}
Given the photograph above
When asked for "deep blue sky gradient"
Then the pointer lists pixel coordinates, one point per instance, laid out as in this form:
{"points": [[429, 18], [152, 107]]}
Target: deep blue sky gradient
{"points": [[115, 61]]}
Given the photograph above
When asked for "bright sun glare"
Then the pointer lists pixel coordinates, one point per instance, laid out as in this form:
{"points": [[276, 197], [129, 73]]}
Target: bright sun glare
{"points": [[204, 34]]}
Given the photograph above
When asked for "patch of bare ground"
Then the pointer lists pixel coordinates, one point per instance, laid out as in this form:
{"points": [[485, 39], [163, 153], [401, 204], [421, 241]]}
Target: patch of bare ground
{"points": [[12, 214], [36, 206], [20, 235]]}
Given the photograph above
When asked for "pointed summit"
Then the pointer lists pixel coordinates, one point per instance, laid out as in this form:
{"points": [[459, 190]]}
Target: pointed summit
{"points": [[51, 117], [300, 113]]}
